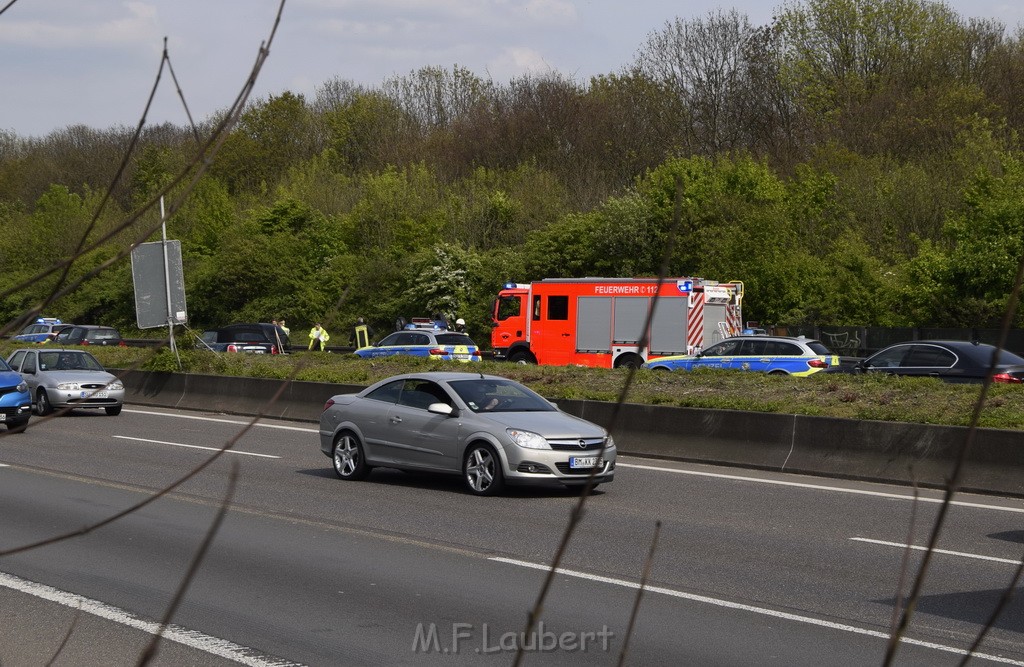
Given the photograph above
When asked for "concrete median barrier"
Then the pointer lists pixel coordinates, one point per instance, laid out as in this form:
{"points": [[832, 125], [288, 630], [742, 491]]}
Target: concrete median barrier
{"points": [[846, 448]]}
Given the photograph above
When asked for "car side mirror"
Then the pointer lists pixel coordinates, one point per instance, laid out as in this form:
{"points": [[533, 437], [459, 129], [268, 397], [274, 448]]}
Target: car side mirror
{"points": [[442, 409]]}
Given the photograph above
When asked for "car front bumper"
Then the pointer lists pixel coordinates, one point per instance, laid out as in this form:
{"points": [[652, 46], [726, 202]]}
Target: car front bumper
{"points": [[85, 398], [544, 467]]}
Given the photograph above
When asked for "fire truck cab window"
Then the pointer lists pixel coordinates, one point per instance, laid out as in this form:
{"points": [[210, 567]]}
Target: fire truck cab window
{"points": [[509, 306], [558, 307], [536, 308]]}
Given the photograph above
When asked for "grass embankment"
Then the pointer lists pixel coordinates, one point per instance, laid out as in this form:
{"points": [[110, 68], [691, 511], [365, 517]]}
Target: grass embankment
{"points": [[918, 400]]}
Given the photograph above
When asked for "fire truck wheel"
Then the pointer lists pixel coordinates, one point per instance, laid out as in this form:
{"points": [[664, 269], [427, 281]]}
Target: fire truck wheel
{"points": [[522, 357], [628, 361]]}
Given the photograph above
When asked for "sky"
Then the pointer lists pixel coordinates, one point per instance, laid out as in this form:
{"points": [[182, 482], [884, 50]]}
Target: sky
{"points": [[70, 62]]}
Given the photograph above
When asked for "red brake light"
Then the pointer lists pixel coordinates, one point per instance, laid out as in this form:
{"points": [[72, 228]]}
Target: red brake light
{"points": [[232, 348], [329, 403], [1006, 378], [817, 363], [476, 353], [84, 342], [437, 351], [273, 349]]}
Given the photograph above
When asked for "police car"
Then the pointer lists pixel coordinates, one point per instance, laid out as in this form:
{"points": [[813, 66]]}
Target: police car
{"points": [[441, 344], [775, 355], [43, 330]]}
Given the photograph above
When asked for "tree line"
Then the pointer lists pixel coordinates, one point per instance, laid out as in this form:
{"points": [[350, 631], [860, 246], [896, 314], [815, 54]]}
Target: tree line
{"points": [[853, 162]]}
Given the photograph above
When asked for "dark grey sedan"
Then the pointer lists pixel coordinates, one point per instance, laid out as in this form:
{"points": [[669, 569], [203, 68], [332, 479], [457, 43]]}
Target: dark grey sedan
{"points": [[490, 430], [948, 360]]}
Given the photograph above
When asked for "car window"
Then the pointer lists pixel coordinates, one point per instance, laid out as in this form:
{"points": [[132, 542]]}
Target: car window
{"points": [[387, 393], [418, 339], [890, 358], [928, 356], [422, 393], [819, 348], [390, 340], [752, 347], [783, 349], [726, 348], [101, 334], [17, 358], [454, 339], [29, 365], [500, 395]]}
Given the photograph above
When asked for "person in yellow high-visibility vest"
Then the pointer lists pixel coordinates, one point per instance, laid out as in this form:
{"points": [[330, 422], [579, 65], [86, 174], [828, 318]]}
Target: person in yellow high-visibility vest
{"points": [[318, 338], [361, 334]]}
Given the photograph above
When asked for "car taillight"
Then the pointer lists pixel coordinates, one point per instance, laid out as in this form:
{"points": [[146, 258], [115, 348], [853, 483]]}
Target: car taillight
{"points": [[273, 349], [232, 348], [1006, 378], [84, 342], [329, 403], [476, 353], [437, 351], [817, 363], [122, 344]]}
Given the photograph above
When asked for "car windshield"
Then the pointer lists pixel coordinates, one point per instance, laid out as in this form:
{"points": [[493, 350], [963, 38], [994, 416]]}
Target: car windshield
{"points": [[68, 361], [4, 366], [498, 395]]}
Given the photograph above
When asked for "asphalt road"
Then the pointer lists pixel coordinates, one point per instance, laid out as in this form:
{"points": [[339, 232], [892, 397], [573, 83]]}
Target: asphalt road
{"points": [[750, 567]]}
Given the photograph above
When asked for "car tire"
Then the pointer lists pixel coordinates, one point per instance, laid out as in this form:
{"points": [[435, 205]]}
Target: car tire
{"points": [[777, 373], [43, 405], [521, 357], [348, 457], [481, 470], [113, 410]]}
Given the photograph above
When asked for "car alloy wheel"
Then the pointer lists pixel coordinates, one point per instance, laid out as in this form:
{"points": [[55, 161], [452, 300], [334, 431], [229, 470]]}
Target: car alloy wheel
{"points": [[348, 458], [483, 470]]}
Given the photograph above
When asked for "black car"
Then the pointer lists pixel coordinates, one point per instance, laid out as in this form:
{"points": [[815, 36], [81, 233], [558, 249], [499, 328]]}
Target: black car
{"points": [[948, 360], [254, 338], [88, 334]]}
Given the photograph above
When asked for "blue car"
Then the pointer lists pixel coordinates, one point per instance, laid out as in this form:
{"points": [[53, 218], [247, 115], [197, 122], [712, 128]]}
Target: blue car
{"points": [[43, 330], [442, 345], [775, 355], [15, 399]]}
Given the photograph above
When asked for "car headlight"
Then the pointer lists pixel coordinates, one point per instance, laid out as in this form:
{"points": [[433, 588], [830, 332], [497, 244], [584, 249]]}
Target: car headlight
{"points": [[116, 384], [22, 387], [68, 386], [527, 440], [609, 442]]}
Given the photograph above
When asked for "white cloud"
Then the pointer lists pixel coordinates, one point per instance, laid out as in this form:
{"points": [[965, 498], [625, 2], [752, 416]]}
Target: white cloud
{"points": [[133, 23], [516, 61]]}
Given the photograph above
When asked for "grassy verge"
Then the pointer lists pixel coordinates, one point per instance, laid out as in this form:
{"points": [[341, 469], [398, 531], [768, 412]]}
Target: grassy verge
{"points": [[918, 400]]}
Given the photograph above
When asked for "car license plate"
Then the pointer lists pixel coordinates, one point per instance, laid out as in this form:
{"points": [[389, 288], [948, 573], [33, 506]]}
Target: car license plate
{"points": [[460, 357], [3, 417], [582, 461], [94, 394]]}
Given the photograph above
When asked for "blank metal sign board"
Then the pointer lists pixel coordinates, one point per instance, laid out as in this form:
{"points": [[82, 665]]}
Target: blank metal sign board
{"points": [[151, 289]]}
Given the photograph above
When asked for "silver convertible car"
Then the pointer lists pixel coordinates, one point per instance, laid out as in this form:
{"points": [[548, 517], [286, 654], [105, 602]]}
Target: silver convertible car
{"points": [[490, 430], [67, 379]]}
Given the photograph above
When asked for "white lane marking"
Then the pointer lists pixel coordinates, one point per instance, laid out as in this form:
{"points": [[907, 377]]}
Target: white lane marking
{"points": [[963, 554], [236, 422], [756, 610], [209, 449], [174, 633], [820, 487]]}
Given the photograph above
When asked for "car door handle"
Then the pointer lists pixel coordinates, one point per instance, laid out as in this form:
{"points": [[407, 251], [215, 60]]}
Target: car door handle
{"points": [[396, 420]]}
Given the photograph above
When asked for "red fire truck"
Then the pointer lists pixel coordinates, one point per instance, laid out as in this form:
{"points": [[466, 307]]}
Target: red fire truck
{"points": [[600, 321]]}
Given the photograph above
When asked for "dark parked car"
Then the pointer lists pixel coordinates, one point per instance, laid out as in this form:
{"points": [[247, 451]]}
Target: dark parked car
{"points": [[489, 430], [88, 334], [253, 337], [949, 360]]}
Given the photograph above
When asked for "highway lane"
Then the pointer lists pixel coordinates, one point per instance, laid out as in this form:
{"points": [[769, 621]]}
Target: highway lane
{"points": [[751, 566]]}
